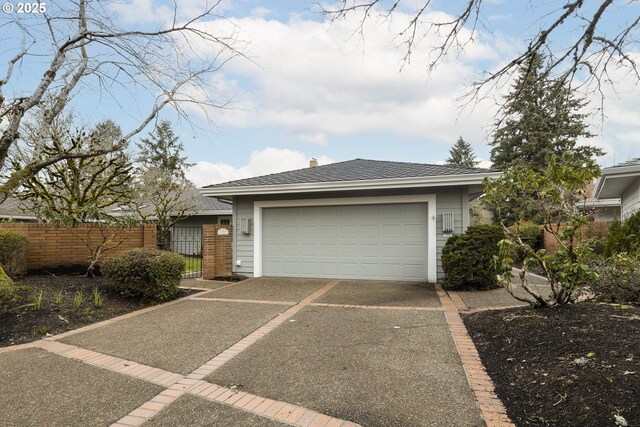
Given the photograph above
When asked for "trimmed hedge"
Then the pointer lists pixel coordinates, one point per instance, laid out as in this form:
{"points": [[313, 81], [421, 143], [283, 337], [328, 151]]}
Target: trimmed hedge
{"points": [[14, 250], [8, 295], [618, 279], [624, 236], [150, 274], [467, 259]]}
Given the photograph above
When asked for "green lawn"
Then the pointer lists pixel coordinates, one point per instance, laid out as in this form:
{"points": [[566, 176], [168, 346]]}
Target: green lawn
{"points": [[193, 263]]}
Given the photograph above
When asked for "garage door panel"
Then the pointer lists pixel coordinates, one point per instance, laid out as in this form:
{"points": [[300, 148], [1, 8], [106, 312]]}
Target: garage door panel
{"points": [[361, 241]]}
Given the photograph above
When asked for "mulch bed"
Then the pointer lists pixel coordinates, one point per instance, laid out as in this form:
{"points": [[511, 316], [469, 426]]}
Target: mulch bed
{"points": [[28, 324], [574, 366]]}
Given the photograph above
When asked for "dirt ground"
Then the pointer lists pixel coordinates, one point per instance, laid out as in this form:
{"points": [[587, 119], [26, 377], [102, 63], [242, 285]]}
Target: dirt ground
{"points": [[572, 366]]}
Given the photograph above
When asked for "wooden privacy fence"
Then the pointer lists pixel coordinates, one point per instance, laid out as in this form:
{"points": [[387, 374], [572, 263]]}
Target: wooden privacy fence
{"points": [[51, 247], [590, 230]]}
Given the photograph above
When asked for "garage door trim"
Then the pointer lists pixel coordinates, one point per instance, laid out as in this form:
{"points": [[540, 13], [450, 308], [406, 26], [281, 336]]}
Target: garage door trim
{"points": [[430, 199]]}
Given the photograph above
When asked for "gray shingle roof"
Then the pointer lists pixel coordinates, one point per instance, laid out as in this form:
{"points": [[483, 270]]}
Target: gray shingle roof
{"points": [[213, 204], [632, 162], [15, 208], [353, 170]]}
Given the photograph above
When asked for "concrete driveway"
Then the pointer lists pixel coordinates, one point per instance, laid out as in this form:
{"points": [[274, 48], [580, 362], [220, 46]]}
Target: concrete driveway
{"points": [[263, 352]]}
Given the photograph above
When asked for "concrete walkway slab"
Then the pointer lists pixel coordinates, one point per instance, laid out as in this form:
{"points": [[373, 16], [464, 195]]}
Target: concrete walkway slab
{"points": [[43, 389], [375, 368], [272, 289], [382, 293], [489, 299], [178, 338], [200, 412]]}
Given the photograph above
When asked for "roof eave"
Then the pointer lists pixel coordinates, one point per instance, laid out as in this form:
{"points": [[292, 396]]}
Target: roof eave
{"points": [[377, 184], [602, 186]]}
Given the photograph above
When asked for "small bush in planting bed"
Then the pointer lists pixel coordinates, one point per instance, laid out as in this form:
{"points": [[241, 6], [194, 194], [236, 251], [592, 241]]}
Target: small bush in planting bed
{"points": [[624, 236], [618, 278], [149, 274], [14, 249], [8, 294], [467, 259]]}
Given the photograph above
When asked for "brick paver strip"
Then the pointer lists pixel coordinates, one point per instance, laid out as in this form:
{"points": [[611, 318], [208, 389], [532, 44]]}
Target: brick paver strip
{"points": [[133, 369], [457, 301], [491, 407]]}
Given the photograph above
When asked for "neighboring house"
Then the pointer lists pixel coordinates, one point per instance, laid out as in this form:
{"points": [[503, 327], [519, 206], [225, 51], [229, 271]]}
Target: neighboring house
{"points": [[209, 211], [621, 181], [359, 219], [601, 210], [15, 211]]}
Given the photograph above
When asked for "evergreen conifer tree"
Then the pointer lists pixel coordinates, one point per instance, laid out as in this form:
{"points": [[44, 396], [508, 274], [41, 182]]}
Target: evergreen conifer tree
{"points": [[542, 118], [461, 154]]}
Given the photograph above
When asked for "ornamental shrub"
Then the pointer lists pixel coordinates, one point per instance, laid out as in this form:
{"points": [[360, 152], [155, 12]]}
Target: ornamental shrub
{"points": [[618, 278], [150, 274], [624, 236], [8, 295], [14, 250], [530, 235], [467, 259]]}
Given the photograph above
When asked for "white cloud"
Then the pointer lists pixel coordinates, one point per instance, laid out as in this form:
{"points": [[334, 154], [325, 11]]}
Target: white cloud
{"points": [[162, 12], [315, 80], [263, 162]]}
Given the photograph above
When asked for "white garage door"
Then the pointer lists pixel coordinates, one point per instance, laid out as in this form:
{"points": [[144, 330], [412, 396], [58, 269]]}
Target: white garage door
{"points": [[387, 241]]}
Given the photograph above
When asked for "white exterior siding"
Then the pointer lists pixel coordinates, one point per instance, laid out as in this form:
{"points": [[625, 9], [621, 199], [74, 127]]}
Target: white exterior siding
{"points": [[631, 199], [243, 243], [449, 201]]}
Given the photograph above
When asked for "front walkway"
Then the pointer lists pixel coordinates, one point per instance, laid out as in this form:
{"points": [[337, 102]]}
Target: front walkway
{"points": [[263, 352]]}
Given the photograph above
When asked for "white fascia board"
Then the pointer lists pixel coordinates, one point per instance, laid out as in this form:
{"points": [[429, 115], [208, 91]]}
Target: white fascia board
{"points": [[430, 199], [212, 212], [376, 184], [22, 217], [602, 182]]}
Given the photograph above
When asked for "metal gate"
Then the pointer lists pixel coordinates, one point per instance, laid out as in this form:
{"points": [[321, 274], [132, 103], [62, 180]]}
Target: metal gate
{"points": [[187, 241]]}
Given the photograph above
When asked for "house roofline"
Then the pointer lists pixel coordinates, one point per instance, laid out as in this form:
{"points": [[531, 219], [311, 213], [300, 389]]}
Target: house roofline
{"points": [[376, 184]]}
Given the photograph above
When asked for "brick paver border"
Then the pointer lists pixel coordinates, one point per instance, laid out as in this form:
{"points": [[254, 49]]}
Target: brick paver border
{"points": [[457, 301], [492, 409]]}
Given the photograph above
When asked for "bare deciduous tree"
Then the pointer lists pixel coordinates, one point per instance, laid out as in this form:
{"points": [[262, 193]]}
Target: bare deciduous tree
{"points": [[79, 49], [77, 193], [592, 46]]}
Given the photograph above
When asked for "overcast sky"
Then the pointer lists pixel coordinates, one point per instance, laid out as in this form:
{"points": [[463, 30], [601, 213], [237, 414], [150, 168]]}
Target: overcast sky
{"points": [[314, 89]]}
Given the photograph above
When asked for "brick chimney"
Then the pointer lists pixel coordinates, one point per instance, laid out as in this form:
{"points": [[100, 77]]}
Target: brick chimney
{"points": [[313, 163]]}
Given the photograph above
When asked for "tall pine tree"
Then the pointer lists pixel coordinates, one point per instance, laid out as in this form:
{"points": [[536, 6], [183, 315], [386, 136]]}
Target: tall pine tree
{"points": [[543, 118], [164, 194], [162, 149], [461, 154]]}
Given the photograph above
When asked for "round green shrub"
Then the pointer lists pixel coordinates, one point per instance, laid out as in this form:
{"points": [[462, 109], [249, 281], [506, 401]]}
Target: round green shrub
{"points": [[8, 295], [618, 278], [150, 274], [14, 250], [467, 259], [624, 236]]}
